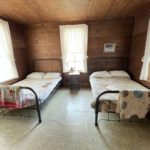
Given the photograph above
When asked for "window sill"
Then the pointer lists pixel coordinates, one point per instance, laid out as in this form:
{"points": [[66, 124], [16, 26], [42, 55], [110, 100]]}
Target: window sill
{"points": [[10, 81]]}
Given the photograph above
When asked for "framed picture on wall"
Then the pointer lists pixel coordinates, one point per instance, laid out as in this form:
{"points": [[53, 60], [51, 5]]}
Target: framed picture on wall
{"points": [[109, 47]]}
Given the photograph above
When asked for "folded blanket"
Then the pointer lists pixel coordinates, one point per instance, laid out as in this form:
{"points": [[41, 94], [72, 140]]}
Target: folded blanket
{"points": [[10, 96], [133, 103]]}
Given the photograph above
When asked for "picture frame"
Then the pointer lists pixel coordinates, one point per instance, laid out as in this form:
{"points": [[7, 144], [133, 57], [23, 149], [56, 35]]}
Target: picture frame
{"points": [[109, 47]]}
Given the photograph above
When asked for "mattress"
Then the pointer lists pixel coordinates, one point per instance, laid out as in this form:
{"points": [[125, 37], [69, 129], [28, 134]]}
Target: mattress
{"points": [[42, 87], [100, 85]]}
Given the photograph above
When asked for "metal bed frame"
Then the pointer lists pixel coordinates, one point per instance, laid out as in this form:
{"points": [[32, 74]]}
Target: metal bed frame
{"points": [[99, 64], [98, 101], [97, 105], [37, 101]]}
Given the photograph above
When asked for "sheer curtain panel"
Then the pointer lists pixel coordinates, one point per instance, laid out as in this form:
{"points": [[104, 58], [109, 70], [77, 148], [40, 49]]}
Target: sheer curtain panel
{"points": [[7, 61], [74, 47], [146, 59]]}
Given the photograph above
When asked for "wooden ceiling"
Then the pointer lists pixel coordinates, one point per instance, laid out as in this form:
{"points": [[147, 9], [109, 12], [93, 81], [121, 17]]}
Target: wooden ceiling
{"points": [[38, 11]]}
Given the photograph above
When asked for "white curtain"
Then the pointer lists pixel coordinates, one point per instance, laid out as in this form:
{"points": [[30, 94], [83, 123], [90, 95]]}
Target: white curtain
{"points": [[7, 61], [146, 59], [74, 47]]}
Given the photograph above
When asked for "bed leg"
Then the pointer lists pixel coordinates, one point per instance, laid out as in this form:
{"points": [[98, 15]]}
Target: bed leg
{"points": [[96, 117], [38, 108], [96, 113], [39, 114]]}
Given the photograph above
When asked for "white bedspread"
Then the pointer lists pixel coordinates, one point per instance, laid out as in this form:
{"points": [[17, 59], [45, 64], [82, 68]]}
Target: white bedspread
{"points": [[42, 87], [100, 85]]}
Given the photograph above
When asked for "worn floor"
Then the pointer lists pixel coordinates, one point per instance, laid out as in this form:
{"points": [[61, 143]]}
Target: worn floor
{"points": [[68, 124]]}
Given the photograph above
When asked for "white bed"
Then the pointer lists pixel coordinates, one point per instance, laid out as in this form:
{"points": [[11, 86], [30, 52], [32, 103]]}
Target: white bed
{"points": [[42, 87], [101, 84], [35, 88]]}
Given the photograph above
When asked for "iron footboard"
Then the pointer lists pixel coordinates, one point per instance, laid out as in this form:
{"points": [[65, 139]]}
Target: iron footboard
{"points": [[37, 102], [98, 102]]}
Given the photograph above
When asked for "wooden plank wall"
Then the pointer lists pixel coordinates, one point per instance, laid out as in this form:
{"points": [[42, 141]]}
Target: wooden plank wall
{"points": [[43, 41], [117, 31], [138, 46], [19, 47]]}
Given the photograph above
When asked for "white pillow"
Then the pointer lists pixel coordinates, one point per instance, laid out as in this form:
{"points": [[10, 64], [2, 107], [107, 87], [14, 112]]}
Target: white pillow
{"points": [[36, 75], [101, 74], [52, 75], [119, 73]]}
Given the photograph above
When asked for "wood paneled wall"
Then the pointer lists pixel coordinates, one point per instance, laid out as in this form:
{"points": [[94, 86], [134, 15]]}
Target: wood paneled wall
{"points": [[19, 47], [138, 46], [117, 31], [43, 40]]}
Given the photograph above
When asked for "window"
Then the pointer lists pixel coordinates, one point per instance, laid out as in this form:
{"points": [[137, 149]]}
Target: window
{"points": [[146, 57], [7, 62], [74, 47]]}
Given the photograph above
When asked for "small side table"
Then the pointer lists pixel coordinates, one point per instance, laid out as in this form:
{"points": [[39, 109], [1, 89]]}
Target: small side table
{"points": [[74, 80]]}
